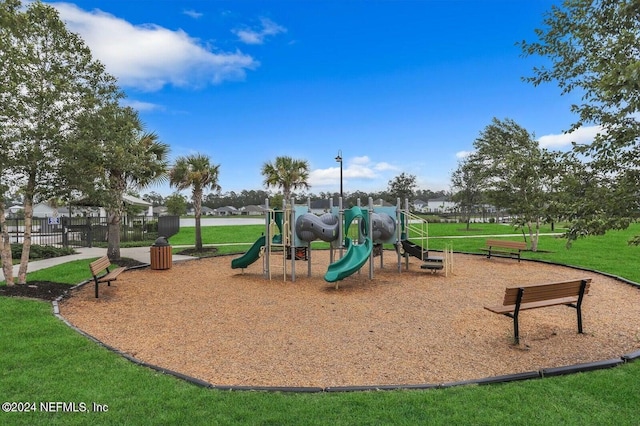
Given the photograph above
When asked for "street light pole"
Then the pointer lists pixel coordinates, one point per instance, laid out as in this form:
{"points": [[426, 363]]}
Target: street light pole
{"points": [[339, 160]]}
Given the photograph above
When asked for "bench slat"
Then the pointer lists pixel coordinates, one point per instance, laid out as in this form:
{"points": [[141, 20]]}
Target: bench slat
{"points": [[507, 243], [111, 276], [99, 265], [544, 291], [503, 309]]}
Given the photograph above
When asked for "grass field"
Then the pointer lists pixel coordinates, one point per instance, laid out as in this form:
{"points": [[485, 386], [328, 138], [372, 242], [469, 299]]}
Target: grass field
{"points": [[44, 361]]}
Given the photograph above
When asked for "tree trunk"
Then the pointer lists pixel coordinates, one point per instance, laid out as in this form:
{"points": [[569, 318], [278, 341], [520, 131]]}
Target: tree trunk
{"points": [[5, 247], [26, 241], [114, 220], [534, 235], [197, 205]]}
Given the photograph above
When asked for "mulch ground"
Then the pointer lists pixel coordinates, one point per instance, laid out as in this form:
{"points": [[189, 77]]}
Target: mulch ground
{"points": [[218, 324]]}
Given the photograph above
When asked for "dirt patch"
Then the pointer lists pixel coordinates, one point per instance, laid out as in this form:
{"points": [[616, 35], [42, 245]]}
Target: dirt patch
{"points": [[45, 290], [214, 323], [49, 290]]}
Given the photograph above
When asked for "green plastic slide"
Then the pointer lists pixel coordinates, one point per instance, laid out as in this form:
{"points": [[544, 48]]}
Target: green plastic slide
{"points": [[354, 258], [250, 256]]}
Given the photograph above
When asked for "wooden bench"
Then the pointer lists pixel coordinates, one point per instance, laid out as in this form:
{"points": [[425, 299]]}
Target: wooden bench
{"points": [[516, 299], [504, 248], [103, 264]]}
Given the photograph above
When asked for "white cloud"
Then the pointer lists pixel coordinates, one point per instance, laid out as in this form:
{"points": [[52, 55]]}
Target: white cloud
{"points": [[582, 135], [148, 57], [192, 13], [360, 169], [385, 167], [141, 106], [257, 36], [360, 160]]}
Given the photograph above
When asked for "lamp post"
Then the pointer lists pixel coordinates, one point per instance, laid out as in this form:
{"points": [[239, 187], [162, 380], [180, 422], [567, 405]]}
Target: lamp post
{"points": [[339, 160]]}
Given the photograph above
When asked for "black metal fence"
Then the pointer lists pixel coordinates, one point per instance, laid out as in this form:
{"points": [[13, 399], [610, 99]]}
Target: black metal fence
{"points": [[87, 231]]}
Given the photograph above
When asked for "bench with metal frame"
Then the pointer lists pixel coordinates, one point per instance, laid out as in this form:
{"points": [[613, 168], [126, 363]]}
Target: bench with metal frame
{"points": [[504, 248], [103, 264], [516, 299]]}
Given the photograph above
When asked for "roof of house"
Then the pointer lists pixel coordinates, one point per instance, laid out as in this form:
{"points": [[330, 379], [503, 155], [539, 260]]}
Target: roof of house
{"points": [[252, 208], [226, 209], [135, 201]]}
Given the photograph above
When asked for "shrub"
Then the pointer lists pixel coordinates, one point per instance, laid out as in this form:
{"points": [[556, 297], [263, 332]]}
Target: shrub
{"points": [[41, 252]]}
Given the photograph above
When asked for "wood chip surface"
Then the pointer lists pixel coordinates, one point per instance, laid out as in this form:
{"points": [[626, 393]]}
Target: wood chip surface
{"points": [[217, 324]]}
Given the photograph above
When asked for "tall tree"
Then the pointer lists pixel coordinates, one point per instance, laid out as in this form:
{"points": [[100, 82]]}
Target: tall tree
{"points": [[176, 204], [402, 186], [467, 181], [592, 46], [286, 173], [123, 157], [195, 172], [515, 173], [47, 79]]}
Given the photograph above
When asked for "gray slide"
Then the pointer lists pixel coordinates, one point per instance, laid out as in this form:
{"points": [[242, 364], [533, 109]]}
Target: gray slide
{"points": [[310, 227]]}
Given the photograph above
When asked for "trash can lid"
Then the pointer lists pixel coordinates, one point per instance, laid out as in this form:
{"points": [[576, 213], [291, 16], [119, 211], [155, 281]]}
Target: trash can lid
{"points": [[161, 242]]}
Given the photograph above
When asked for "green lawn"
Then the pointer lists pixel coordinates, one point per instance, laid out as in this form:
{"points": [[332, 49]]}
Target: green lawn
{"points": [[43, 360]]}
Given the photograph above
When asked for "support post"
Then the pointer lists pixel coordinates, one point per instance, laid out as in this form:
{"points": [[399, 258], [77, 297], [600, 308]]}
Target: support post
{"points": [[583, 286], [370, 235], [399, 226], [516, 312], [340, 227], [266, 265], [292, 221]]}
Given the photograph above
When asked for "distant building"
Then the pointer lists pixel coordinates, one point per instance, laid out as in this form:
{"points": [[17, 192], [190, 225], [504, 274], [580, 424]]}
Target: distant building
{"points": [[226, 211], [435, 205], [252, 210]]}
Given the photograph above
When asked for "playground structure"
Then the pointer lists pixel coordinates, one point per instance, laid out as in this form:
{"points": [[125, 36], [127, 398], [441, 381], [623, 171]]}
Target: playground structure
{"points": [[357, 233]]}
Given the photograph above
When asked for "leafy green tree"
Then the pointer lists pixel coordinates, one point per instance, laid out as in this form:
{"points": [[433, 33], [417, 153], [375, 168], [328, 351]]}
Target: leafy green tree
{"points": [[515, 173], [124, 157], [47, 80], [154, 198], [176, 204], [195, 172], [467, 181], [592, 49], [402, 186], [286, 173]]}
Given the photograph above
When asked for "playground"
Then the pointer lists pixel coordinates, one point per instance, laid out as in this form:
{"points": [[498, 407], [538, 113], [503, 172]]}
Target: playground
{"points": [[234, 327]]}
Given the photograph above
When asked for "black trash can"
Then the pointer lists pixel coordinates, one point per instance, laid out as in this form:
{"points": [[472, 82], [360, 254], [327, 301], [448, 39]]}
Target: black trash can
{"points": [[161, 256]]}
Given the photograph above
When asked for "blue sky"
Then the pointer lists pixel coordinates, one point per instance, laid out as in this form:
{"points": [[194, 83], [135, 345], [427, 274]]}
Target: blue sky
{"points": [[396, 86]]}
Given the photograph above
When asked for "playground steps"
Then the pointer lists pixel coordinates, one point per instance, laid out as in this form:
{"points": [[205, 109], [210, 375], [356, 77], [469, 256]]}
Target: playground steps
{"points": [[417, 251]]}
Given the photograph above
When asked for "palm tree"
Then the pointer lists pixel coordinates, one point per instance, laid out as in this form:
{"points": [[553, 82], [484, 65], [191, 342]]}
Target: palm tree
{"points": [[195, 172], [286, 173], [116, 155]]}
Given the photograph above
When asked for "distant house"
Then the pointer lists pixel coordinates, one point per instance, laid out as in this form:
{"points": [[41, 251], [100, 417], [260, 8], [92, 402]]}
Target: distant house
{"points": [[45, 210], [420, 205], [13, 210], [160, 211], [207, 211], [252, 210], [440, 205], [134, 201], [226, 211]]}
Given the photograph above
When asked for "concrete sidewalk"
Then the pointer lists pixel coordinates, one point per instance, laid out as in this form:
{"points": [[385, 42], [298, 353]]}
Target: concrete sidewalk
{"points": [[141, 254]]}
